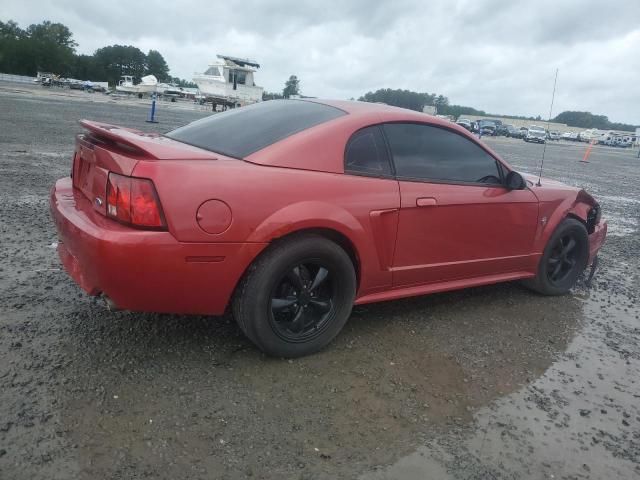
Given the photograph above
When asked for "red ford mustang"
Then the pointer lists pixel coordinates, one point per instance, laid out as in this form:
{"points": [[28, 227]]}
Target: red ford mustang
{"points": [[289, 212]]}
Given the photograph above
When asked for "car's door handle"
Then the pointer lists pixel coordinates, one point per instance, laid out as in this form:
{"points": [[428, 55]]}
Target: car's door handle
{"points": [[426, 202]]}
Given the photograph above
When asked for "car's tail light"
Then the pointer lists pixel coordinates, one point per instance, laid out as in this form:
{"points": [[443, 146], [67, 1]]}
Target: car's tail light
{"points": [[134, 201]]}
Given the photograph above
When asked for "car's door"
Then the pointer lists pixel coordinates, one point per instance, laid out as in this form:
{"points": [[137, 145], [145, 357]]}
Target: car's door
{"points": [[457, 220], [367, 163]]}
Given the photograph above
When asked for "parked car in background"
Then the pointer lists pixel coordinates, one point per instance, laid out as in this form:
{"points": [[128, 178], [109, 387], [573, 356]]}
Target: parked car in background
{"points": [[465, 123], [553, 135], [523, 132], [487, 127], [590, 135], [616, 139], [570, 136], [502, 130], [514, 132], [536, 134], [289, 212]]}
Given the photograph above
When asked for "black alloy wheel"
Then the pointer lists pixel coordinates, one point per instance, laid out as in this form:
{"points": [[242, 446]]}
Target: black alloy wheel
{"points": [[296, 296], [563, 259], [303, 301]]}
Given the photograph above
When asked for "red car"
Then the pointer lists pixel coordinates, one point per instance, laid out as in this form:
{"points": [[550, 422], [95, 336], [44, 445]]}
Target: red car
{"points": [[289, 212]]}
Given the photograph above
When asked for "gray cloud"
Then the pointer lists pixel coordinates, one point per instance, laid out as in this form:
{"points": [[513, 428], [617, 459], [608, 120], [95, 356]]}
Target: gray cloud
{"points": [[495, 55]]}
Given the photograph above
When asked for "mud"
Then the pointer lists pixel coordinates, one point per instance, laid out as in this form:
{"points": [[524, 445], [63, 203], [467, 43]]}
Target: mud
{"points": [[491, 382]]}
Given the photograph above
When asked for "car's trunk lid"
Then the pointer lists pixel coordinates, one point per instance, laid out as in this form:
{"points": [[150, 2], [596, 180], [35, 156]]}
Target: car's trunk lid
{"points": [[107, 148]]}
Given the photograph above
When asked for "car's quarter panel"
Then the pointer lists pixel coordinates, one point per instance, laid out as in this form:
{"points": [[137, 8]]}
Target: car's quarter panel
{"points": [[463, 231], [143, 270], [267, 203]]}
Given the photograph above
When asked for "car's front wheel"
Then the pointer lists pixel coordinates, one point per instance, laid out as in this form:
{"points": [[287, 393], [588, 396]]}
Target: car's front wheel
{"points": [[564, 259], [297, 296]]}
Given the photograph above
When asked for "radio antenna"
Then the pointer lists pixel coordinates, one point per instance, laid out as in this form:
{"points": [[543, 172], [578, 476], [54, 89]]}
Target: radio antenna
{"points": [[544, 149]]}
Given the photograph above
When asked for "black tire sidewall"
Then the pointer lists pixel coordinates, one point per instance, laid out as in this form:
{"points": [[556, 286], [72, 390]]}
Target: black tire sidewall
{"points": [[271, 268], [579, 232]]}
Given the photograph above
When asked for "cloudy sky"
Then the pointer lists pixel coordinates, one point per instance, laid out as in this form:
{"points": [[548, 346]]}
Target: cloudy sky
{"points": [[499, 56]]}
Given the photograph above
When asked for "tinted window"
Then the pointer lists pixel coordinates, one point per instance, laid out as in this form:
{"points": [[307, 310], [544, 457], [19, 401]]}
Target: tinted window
{"points": [[246, 130], [367, 153], [432, 153]]}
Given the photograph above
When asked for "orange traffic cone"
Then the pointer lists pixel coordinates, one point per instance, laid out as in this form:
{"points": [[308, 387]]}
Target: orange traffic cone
{"points": [[587, 153]]}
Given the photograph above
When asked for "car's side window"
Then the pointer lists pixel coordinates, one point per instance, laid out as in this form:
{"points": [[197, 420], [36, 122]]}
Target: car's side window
{"points": [[432, 153], [366, 153]]}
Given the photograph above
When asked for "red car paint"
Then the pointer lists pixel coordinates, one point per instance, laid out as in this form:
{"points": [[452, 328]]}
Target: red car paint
{"points": [[406, 237]]}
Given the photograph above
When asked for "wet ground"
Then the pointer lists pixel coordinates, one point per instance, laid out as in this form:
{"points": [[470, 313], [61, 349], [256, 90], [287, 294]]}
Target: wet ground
{"points": [[493, 382]]}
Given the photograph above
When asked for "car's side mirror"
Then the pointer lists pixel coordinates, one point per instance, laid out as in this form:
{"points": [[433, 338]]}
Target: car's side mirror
{"points": [[515, 181]]}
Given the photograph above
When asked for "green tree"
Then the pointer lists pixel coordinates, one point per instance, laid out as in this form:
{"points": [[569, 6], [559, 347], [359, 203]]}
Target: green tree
{"points": [[291, 87], [52, 48], [459, 110], [403, 98], [271, 96], [156, 65], [440, 102], [180, 82], [589, 120], [85, 68], [12, 46], [118, 60], [52, 33], [45, 46]]}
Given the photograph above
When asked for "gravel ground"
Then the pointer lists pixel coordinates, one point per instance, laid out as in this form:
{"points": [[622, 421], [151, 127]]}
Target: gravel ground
{"points": [[492, 382]]}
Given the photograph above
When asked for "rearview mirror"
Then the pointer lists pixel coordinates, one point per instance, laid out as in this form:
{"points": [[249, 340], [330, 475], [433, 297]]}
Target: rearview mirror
{"points": [[515, 181]]}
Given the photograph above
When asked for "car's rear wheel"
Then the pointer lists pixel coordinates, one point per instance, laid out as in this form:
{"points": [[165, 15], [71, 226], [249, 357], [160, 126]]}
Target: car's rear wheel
{"points": [[563, 260], [297, 296]]}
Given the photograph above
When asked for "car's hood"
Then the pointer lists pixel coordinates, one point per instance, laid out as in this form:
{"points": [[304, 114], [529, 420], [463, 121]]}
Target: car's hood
{"points": [[553, 190]]}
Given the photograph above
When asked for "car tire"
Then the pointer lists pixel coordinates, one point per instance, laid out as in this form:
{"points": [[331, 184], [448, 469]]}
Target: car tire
{"points": [[564, 259], [296, 297]]}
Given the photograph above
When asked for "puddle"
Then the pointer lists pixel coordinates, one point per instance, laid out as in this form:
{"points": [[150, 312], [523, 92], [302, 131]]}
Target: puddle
{"points": [[579, 420]]}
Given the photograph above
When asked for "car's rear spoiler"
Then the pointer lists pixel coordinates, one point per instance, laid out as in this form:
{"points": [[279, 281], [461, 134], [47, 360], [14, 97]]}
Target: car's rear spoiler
{"points": [[150, 145]]}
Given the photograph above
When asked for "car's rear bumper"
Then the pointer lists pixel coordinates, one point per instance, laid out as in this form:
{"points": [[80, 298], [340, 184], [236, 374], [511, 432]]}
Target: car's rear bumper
{"points": [[596, 240], [144, 270]]}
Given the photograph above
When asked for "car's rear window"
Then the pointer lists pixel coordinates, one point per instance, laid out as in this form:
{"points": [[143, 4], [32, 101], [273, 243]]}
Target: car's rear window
{"points": [[243, 131]]}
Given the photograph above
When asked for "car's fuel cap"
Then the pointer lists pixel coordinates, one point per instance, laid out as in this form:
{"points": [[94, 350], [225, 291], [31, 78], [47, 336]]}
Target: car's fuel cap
{"points": [[214, 216]]}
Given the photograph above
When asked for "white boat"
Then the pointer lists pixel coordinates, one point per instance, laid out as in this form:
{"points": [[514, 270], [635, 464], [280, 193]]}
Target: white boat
{"points": [[229, 80], [147, 84], [169, 89]]}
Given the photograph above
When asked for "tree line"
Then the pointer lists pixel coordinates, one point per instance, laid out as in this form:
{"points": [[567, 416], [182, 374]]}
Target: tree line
{"points": [[589, 120], [417, 101], [49, 47]]}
